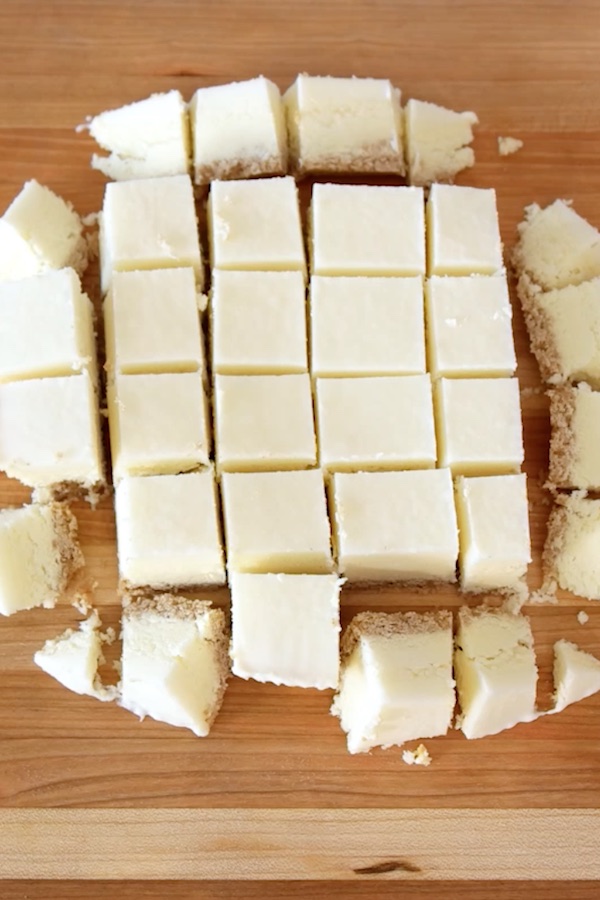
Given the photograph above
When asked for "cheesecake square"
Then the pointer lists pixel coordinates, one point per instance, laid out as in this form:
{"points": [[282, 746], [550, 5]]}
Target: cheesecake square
{"points": [[50, 434], [359, 229], [152, 322], [146, 139], [437, 142], [264, 422], [469, 327], [375, 423], [40, 231], [366, 326], [495, 671], [149, 223], [39, 554], [276, 522], [285, 629], [73, 659], [493, 524], [168, 532], [396, 680], [479, 428], [258, 323], [575, 437], [344, 125], [571, 555], [238, 130], [395, 526], [46, 327], [463, 233], [255, 225], [158, 424], [175, 663]]}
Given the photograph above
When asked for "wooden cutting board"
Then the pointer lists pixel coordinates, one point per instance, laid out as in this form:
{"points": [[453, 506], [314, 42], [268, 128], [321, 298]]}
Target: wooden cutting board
{"points": [[86, 791]]}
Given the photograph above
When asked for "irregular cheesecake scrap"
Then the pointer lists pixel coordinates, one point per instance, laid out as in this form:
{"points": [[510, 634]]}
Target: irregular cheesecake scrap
{"points": [[39, 553], [396, 680], [469, 322], [276, 522], [149, 223], [556, 247], [258, 323], [375, 423], [73, 659], [158, 424], [344, 125], [493, 521], [255, 225], [285, 628], [418, 757], [175, 662], [437, 141], [572, 550], [145, 139], [238, 131], [395, 526], [40, 231], [564, 330], [50, 434], [463, 234], [367, 326], [46, 327], [152, 323], [576, 675], [359, 229], [509, 145], [264, 422], [479, 426], [575, 437], [168, 532], [495, 670]]}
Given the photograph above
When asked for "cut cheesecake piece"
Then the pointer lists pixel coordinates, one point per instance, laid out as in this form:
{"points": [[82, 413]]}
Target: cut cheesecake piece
{"points": [[493, 522], [152, 323], [40, 231], [575, 440], [285, 628], [39, 554], [437, 142], [258, 323], [168, 531], [149, 223], [396, 680], [395, 526], [344, 125], [556, 247], [495, 670], [46, 327], [175, 662], [463, 233], [576, 675], [255, 225], [375, 423], [276, 522], [366, 326], [73, 659], [362, 229], [50, 435], [469, 327], [238, 131], [479, 426], [158, 424], [145, 139], [264, 422], [572, 551]]}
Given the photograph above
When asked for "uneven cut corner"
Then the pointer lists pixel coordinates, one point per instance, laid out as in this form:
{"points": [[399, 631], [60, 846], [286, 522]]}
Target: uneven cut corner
{"points": [[437, 142], [389, 625]]}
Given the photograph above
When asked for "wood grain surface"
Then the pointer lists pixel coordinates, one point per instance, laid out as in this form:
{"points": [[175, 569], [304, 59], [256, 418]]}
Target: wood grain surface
{"points": [[530, 70]]}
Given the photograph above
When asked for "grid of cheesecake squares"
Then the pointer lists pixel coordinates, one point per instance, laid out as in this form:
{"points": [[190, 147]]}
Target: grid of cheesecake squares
{"points": [[363, 407]]}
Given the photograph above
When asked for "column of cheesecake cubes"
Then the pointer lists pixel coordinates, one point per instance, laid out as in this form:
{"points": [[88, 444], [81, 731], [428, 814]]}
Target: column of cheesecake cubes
{"points": [[168, 531], [285, 595]]}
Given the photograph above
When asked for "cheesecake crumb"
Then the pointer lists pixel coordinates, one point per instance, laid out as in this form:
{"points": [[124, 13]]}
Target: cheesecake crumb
{"points": [[582, 617], [418, 757], [508, 145]]}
